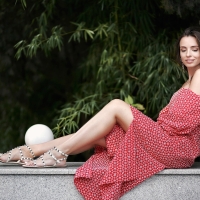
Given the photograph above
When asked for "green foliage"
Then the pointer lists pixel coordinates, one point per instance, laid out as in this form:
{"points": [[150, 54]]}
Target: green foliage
{"points": [[158, 75], [126, 58], [95, 51], [31, 89], [72, 113], [81, 31], [131, 100], [39, 41]]}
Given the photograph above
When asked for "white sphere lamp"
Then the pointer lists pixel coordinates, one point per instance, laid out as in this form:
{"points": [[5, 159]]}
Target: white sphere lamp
{"points": [[38, 133]]}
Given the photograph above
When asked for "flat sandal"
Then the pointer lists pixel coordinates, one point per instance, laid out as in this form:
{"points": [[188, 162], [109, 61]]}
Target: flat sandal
{"points": [[57, 164], [22, 158]]}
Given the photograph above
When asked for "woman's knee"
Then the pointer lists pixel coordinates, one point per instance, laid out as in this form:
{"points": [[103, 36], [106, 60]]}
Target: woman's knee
{"points": [[118, 107], [117, 103], [122, 113]]}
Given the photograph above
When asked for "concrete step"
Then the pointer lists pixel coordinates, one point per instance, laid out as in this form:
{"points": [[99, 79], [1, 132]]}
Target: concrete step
{"points": [[17, 183]]}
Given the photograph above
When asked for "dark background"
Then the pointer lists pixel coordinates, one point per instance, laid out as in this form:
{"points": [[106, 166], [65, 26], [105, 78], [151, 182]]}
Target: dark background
{"points": [[34, 90]]}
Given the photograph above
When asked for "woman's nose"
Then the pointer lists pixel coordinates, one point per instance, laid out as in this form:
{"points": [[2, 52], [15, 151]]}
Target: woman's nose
{"points": [[188, 53]]}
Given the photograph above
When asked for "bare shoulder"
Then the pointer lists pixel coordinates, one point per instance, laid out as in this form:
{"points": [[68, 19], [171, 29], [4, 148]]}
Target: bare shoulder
{"points": [[186, 85], [195, 82]]}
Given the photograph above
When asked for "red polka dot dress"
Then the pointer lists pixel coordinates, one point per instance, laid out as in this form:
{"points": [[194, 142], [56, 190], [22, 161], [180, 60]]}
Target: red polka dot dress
{"points": [[144, 150]]}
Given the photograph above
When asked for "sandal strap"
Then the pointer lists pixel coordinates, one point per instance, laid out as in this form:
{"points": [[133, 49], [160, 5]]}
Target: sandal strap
{"points": [[56, 160], [30, 151], [21, 154], [34, 162], [49, 152], [62, 153], [10, 153], [9, 156], [43, 162]]}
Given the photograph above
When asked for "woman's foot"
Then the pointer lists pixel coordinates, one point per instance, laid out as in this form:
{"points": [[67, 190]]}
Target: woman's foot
{"points": [[17, 155], [53, 158]]}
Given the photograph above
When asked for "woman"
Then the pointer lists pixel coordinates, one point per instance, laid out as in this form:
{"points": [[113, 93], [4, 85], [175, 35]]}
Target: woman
{"points": [[129, 146]]}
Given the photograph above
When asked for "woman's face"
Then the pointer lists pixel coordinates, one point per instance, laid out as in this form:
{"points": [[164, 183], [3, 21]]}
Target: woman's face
{"points": [[189, 52]]}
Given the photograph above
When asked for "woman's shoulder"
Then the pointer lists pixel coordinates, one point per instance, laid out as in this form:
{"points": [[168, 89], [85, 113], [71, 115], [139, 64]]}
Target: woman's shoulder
{"points": [[185, 85]]}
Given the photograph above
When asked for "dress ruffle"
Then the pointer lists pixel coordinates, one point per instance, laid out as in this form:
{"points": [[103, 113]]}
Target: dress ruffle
{"points": [[111, 172], [182, 115]]}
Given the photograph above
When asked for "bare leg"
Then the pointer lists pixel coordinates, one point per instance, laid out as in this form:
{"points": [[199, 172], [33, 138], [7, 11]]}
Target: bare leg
{"points": [[40, 149], [115, 112]]}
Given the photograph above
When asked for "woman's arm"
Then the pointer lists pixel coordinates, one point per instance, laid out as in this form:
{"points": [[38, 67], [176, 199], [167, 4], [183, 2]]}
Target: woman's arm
{"points": [[195, 82]]}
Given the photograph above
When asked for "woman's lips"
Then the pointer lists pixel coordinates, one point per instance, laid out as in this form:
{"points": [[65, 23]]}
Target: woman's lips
{"points": [[189, 61]]}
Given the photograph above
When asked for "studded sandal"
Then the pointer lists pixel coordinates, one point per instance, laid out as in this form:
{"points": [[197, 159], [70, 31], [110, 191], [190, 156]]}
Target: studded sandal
{"points": [[9, 161], [57, 163]]}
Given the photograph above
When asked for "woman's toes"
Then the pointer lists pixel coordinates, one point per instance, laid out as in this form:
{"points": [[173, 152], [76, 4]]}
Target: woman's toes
{"points": [[28, 163], [3, 158]]}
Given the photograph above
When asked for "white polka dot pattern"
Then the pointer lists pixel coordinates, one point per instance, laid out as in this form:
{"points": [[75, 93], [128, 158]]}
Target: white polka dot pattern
{"points": [[145, 149]]}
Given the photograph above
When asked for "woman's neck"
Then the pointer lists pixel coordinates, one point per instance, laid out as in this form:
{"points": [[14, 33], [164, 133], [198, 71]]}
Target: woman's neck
{"points": [[191, 72]]}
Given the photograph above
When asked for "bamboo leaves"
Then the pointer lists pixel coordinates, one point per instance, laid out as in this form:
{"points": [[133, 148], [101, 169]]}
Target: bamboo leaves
{"points": [[157, 76], [127, 58], [101, 31], [81, 31], [71, 115], [39, 41], [23, 3]]}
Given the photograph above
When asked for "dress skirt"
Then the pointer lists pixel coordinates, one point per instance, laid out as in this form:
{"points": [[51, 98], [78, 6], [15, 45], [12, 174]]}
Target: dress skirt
{"points": [[146, 148]]}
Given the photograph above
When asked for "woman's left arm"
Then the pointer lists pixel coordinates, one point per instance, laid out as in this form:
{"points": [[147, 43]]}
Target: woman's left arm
{"points": [[195, 82]]}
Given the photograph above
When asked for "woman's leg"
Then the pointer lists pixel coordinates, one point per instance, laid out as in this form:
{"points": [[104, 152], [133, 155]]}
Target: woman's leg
{"points": [[115, 112], [40, 149]]}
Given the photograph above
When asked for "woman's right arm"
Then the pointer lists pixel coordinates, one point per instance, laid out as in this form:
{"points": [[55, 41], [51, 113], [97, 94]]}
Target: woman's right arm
{"points": [[195, 82]]}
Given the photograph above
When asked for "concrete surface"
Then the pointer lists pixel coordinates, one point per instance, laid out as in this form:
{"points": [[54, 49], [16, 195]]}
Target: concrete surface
{"points": [[17, 183]]}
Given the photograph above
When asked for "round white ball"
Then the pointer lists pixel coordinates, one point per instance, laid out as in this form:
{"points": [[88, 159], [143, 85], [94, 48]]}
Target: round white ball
{"points": [[38, 133]]}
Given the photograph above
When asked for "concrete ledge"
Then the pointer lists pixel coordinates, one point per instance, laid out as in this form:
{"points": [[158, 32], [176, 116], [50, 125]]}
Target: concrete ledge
{"points": [[18, 170], [17, 183]]}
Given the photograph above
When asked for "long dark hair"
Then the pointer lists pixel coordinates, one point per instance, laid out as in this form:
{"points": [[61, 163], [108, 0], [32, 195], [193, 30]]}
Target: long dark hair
{"points": [[191, 31]]}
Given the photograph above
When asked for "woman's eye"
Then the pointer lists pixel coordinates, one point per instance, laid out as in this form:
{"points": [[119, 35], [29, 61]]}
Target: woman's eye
{"points": [[184, 50]]}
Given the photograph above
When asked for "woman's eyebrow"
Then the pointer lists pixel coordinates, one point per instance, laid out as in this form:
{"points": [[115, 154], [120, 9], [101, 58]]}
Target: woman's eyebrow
{"points": [[190, 47]]}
